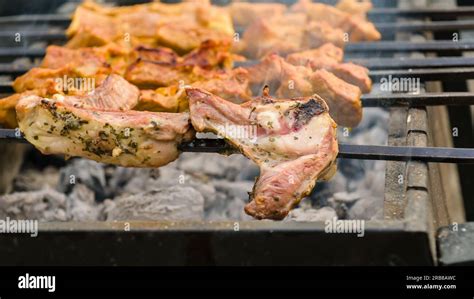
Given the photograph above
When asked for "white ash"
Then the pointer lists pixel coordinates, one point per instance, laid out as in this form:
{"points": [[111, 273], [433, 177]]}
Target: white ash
{"points": [[173, 203], [89, 173], [311, 215], [45, 205], [81, 205]]}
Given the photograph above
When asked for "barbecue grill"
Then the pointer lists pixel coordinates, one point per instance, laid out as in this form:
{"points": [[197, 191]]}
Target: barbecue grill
{"points": [[421, 196]]}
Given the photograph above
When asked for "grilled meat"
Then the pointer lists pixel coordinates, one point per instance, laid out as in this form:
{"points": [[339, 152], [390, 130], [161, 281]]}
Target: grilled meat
{"points": [[116, 59], [131, 138], [182, 28], [287, 34], [291, 81], [359, 8], [324, 58], [115, 94], [294, 144], [358, 28], [244, 13]]}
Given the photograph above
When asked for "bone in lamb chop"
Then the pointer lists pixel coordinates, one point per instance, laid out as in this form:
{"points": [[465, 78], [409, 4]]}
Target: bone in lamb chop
{"points": [[84, 126], [294, 144], [291, 81]]}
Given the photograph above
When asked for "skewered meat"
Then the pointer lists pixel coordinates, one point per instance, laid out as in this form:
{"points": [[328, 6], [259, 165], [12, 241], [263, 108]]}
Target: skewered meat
{"points": [[357, 27], [287, 34], [355, 7], [291, 81], [318, 59], [295, 144], [131, 138], [182, 28], [113, 58], [244, 13], [232, 86], [115, 94]]}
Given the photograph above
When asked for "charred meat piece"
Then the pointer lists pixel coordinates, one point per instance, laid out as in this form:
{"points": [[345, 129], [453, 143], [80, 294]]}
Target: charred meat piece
{"points": [[293, 141], [291, 81], [329, 58], [130, 139]]}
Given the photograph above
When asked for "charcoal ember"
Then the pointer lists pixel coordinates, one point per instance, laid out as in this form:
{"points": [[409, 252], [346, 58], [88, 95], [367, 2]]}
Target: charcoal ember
{"points": [[366, 207], [239, 189], [215, 165], [44, 205], [342, 201], [173, 203], [311, 215], [81, 205], [248, 172], [34, 180], [325, 189], [87, 172], [119, 177], [168, 176], [231, 199]]}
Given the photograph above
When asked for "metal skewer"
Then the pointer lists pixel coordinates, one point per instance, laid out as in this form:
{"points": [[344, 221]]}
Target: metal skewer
{"points": [[348, 151]]}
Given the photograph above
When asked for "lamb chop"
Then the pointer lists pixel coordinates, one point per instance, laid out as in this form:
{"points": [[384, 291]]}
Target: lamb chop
{"points": [[130, 139], [294, 144], [291, 81]]}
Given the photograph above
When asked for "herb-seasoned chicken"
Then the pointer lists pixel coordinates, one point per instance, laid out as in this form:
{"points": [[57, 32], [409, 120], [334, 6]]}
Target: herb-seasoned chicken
{"points": [[294, 143], [130, 138]]}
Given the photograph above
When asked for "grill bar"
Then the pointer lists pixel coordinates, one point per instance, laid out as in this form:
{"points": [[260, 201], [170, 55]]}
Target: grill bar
{"points": [[423, 99], [419, 26], [401, 46], [349, 151], [432, 74], [65, 20], [389, 100], [423, 12], [402, 62]]}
